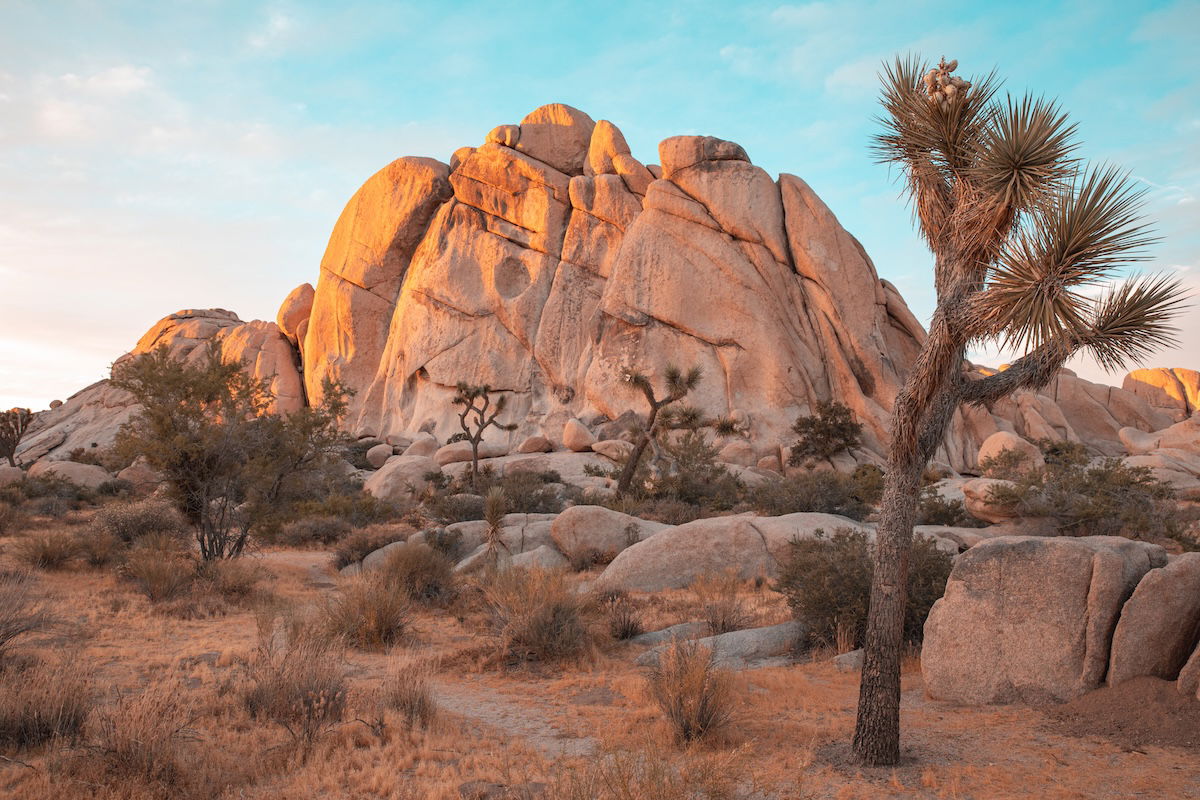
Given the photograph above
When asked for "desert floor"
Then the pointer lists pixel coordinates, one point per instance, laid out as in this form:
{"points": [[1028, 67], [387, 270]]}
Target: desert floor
{"points": [[526, 727]]}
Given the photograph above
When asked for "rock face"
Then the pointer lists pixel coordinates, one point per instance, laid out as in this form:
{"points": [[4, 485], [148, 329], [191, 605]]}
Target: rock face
{"points": [[1160, 624], [1030, 619], [549, 261]]}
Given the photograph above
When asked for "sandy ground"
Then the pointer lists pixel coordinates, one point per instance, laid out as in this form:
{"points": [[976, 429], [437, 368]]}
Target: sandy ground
{"points": [[522, 726]]}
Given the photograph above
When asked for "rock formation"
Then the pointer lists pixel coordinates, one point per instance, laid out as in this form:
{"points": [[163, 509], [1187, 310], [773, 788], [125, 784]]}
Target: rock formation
{"points": [[548, 261]]}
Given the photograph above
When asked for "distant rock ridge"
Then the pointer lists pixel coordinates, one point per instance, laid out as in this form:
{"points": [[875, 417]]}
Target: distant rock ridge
{"points": [[548, 261]]}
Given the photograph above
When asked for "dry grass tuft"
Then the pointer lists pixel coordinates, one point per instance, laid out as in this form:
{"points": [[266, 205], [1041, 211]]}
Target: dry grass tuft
{"points": [[720, 605], [368, 611], [132, 522], [693, 693], [43, 701], [49, 550], [236, 581], [140, 736], [405, 691], [161, 575], [645, 773], [423, 573], [21, 611], [537, 615], [623, 618], [296, 679]]}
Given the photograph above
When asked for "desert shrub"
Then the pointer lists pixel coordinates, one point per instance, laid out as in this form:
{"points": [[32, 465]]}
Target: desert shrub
{"points": [[827, 583], [621, 615], [446, 542], [140, 736], [536, 615], [720, 606], [406, 691], [668, 511], [22, 612], [319, 530], [99, 550], [1104, 498], [132, 522], [868, 483], [450, 508], [160, 573], [43, 701], [1060, 452], [695, 477], [830, 431], [1007, 464], [422, 573], [296, 679], [450, 500], [117, 487], [356, 508], [933, 509], [85, 455], [817, 491], [236, 582], [355, 452], [49, 550], [367, 611], [693, 693], [45, 486], [12, 519], [361, 543]]}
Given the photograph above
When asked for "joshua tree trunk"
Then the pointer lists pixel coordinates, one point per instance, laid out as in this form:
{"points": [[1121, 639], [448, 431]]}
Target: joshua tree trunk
{"points": [[12, 462], [639, 450]]}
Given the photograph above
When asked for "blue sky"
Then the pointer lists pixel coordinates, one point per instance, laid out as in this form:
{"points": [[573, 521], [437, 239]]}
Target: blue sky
{"points": [[158, 156]]}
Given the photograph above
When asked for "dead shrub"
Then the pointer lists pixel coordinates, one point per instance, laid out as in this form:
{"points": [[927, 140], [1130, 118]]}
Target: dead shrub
{"points": [[694, 694], [50, 550], [624, 620], [423, 573], [22, 612], [296, 679], [368, 611], [720, 605], [132, 522], [159, 574], [12, 519], [642, 774], [43, 701], [236, 581], [536, 615]]}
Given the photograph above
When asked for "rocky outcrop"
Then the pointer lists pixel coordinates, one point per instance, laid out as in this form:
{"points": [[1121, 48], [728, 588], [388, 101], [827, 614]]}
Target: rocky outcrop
{"points": [[1172, 454], [1174, 391], [1030, 619], [89, 476], [1160, 624]]}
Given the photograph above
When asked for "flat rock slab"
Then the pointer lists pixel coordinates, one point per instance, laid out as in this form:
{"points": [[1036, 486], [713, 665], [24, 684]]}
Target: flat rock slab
{"points": [[747, 649]]}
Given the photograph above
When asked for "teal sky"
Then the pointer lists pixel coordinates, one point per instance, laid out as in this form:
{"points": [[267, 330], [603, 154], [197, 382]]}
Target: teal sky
{"points": [[158, 156]]}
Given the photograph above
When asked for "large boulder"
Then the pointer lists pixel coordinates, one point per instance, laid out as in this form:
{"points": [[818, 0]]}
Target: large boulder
{"points": [[1030, 619], [89, 476], [378, 455], [402, 478], [457, 452], [558, 135], [1160, 624], [595, 533], [981, 502], [1002, 442], [749, 545]]}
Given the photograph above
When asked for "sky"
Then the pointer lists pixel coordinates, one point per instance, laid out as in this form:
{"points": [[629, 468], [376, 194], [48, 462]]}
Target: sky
{"points": [[160, 156]]}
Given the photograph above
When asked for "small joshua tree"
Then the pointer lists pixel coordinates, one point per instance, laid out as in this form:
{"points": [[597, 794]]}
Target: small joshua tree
{"points": [[678, 384], [13, 424], [479, 413], [830, 431]]}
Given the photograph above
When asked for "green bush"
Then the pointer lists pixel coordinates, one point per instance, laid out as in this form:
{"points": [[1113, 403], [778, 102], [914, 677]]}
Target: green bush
{"points": [[830, 431], [827, 583], [696, 477], [821, 491], [1102, 498], [933, 509]]}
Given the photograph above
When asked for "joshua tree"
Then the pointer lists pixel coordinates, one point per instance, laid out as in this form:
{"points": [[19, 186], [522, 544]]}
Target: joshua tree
{"points": [[477, 401], [1020, 232], [13, 424], [678, 384]]}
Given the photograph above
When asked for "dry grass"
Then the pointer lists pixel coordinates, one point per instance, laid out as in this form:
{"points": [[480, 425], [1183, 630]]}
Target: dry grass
{"points": [[140, 736], [537, 615], [161, 575], [368, 611], [43, 701], [22, 612], [645, 773], [720, 604], [693, 693], [406, 691], [421, 572], [622, 615], [296, 679], [49, 550]]}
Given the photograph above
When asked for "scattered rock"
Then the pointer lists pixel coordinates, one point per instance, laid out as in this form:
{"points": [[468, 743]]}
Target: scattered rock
{"points": [[423, 445], [738, 452], [545, 557], [535, 444], [849, 662], [616, 449], [684, 630], [378, 455], [576, 437], [143, 477]]}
